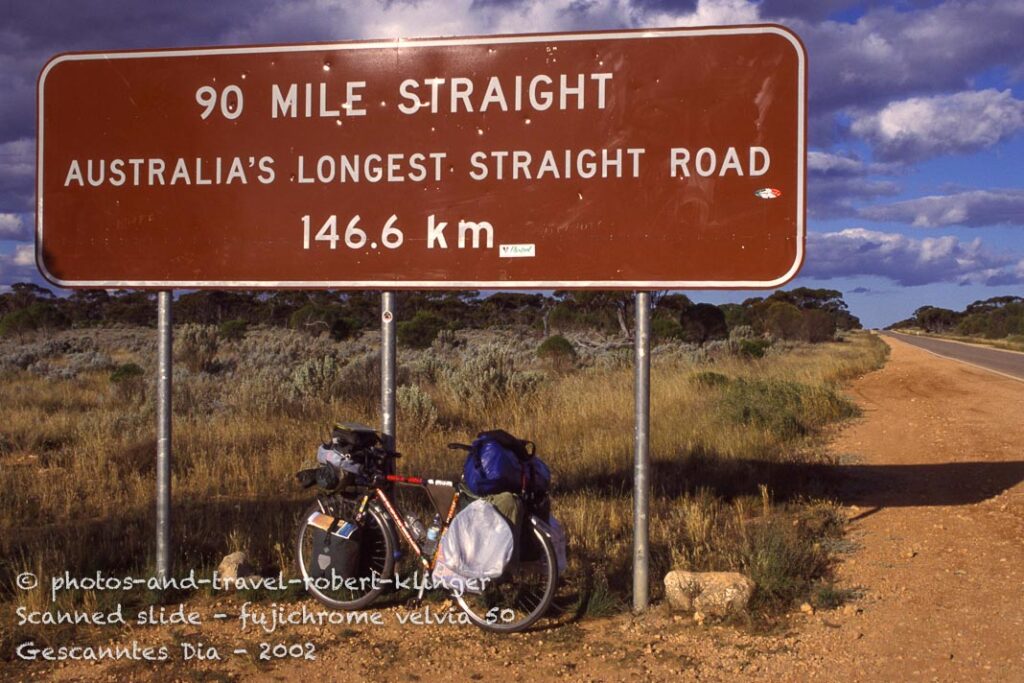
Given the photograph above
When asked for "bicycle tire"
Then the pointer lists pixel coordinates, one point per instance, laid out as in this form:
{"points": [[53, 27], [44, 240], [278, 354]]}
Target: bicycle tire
{"points": [[377, 554], [481, 608]]}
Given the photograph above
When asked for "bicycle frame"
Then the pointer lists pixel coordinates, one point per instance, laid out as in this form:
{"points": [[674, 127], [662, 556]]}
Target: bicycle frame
{"points": [[398, 520]]}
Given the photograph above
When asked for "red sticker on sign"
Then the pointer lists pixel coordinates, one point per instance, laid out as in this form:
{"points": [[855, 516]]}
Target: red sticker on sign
{"points": [[768, 193]]}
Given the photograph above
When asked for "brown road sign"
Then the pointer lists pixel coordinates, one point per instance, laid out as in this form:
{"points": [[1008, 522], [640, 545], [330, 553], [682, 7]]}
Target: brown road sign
{"points": [[634, 159]]}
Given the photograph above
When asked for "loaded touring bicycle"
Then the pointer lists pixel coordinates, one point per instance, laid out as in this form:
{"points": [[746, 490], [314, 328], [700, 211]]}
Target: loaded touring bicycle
{"points": [[351, 538]]}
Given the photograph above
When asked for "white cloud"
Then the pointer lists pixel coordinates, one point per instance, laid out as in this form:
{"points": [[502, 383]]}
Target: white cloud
{"points": [[17, 158], [24, 255], [922, 127], [707, 13], [905, 260], [975, 208], [836, 183], [12, 226], [828, 164], [19, 265], [17, 169], [374, 19], [891, 52]]}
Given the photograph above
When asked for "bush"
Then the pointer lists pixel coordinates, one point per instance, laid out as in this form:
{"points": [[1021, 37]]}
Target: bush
{"points": [[741, 332], [819, 326], [233, 330], [196, 347], [416, 409], [317, 378], [702, 323], [128, 382], [558, 353], [708, 378], [786, 409], [315, 319], [665, 329], [752, 348], [784, 321], [781, 561], [420, 332], [360, 379], [489, 376]]}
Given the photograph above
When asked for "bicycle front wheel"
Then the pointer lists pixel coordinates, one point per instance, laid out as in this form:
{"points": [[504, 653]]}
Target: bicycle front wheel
{"points": [[521, 597], [376, 558]]}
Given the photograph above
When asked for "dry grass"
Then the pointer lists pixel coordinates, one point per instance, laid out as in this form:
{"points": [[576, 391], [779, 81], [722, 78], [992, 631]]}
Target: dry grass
{"points": [[76, 454]]}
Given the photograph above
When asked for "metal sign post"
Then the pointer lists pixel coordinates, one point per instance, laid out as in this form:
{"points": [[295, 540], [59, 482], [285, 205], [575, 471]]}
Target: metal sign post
{"points": [[641, 452], [163, 434], [387, 368]]}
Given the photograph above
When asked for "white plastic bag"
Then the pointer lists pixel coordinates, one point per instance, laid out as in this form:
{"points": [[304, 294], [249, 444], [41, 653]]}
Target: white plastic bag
{"points": [[475, 549]]}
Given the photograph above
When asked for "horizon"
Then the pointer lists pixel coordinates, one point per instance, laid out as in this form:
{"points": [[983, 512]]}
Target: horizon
{"points": [[916, 112]]}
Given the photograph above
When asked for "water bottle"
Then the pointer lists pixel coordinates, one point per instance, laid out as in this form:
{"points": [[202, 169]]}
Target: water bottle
{"points": [[433, 531], [415, 527]]}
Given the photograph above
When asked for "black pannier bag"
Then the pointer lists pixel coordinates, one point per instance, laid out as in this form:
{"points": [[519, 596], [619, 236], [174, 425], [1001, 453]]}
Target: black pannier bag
{"points": [[335, 550], [523, 448], [306, 478], [351, 437]]}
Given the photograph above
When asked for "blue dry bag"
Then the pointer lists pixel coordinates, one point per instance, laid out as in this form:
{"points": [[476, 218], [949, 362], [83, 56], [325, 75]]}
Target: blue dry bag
{"points": [[492, 468]]}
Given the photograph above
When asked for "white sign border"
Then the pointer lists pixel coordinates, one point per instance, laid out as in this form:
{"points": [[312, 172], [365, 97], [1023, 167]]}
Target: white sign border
{"points": [[770, 29]]}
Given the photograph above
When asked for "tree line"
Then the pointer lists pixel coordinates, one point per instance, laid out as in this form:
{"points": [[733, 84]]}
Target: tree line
{"points": [[812, 315], [995, 318]]}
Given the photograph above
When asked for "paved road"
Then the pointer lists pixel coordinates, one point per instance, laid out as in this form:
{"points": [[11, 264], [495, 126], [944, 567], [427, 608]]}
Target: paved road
{"points": [[1005, 362]]}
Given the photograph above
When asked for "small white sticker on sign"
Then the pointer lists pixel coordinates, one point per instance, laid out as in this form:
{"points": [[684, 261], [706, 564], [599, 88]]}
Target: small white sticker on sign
{"points": [[517, 250]]}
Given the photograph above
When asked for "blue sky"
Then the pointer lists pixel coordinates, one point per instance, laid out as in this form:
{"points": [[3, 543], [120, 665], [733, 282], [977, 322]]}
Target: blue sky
{"points": [[916, 182]]}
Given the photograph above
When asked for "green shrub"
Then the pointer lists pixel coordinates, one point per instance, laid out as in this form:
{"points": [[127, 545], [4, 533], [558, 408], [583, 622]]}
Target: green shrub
{"points": [[316, 320], [819, 326], [664, 329], [558, 353], [752, 348], [781, 561], [702, 323], [488, 376], [706, 378], [784, 321], [416, 409], [420, 332], [786, 409], [317, 378], [233, 330]]}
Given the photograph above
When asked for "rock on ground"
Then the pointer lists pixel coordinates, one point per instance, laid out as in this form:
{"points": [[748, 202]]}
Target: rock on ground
{"points": [[710, 593], [235, 566]]}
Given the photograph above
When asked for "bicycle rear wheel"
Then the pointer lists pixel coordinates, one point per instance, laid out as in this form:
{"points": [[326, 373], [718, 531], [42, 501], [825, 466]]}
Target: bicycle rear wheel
{"points": [[521, 597], [376, 558]]}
